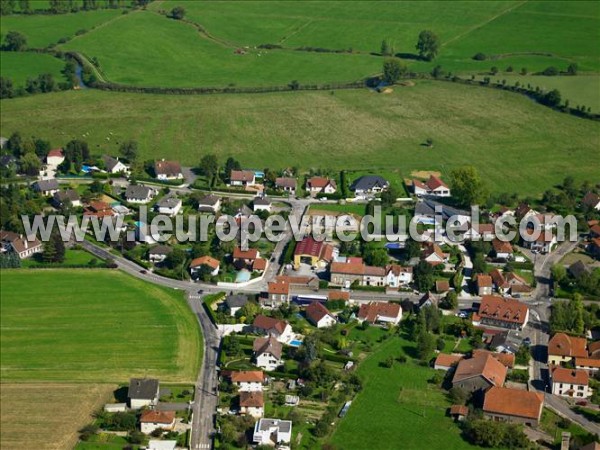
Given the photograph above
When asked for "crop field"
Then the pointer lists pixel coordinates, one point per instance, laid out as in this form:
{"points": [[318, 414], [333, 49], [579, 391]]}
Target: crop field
{"points": [[20, 66], [47, 415], [397, 402], [517, 145], [94, 326]]}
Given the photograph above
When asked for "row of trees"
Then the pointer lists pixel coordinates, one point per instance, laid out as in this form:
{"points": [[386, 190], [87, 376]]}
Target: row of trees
{"points": [[65, 6], [428, 45]]}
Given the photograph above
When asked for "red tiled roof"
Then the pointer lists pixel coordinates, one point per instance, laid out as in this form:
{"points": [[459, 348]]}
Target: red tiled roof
{"points": [[435, 182], [502, 246], [56, 152], [507, 359], [498, 278], [169, 168], [285, 182], [514, 402], [348, 268], [205, 261], [460, 410], [570, 376], [259, 264], [338, 295], [588, 362], [483, 364], [279, 287], [503, 309], [154, 416], [251, 253], [446, 360], [373, 310], [594, 349], [319, 182], [266, 323], [242, 175], [309, 246], [253, 399], [562, 344], [483, 280], [316, 311], [247, 376]]}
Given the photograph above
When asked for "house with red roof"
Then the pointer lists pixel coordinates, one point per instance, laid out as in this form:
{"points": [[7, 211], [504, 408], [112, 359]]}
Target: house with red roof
{"points": [[319, 316], [312, 252], [210, 263], [167, 170], [483, 283], [501, 312], [242, 178], [480, 372], [248, 380], [269, 326], [513, 405], [320, 185], [278, 293], [433, 186], [380, 312], [152, 419], [568, 382], [563, 348]]}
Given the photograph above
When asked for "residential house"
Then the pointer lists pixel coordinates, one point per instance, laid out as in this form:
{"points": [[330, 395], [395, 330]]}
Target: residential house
{"points": [[259, 265], [46, 187], [267, 353], [524, 211], [252, 403], [591, 200], [98, 209], [168, 170], [594, 349], [590, 365], [312, 252], [278, 293], [143, 392], [286, 184], [209, 203], [242, 178], [501, 312], [151, 420], [429, 299], [594, 248], [480, 372], [233, 303], [270, 326], [68, 197], [505, 342], [261, 203], [137, 193], [23, 246], [244, 258], [272, 432], [211, 264], [502, 249], [426, 211], [447, 362], [113, 165], [570, 382], [510, 283], [513, 405], [169, 205], [433, 254], [563, 348], [483, 284], [308, 282], [543, 243], [355, 270], [159, 253], [248, 380], [481, 231], [320, 316], [579, 269], [433, 186], [506, 359], [320, 185], [442, 286], [398, 276], [369, 185], [380, 312], [55, 157]]}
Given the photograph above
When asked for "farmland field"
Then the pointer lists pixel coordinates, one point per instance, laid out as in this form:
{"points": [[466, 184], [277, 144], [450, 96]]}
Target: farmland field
{"points": [[397, 403], [517, 145], [20, 66]]}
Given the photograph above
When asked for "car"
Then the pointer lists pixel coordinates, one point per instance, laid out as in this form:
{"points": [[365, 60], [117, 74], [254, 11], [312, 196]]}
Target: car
{"points": [[581, 403], [201, 291], [527, 341], [143, 272], [273, 259]]}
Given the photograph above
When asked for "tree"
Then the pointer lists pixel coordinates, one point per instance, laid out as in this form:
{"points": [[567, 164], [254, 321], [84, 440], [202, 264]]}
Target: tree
{"points": [[6, 88], [387, 48], [178, 13], [393, 69], [425, 345], [231, 164], [458, 395], [423, 276], [7, 7], [558, 272], [388, 197], [24, 6], [552, 98], [428, 45], [467, 186], [572, 69], [15, 41], [54, 249], [175, 258], [450, 301], [129, 150], [209, 166], [412, 248], [30, 164]]}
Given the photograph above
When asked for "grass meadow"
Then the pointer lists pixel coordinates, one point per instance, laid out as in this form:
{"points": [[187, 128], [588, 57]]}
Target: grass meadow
{"points": [[21, 66], [397, 403], [517, 145]]}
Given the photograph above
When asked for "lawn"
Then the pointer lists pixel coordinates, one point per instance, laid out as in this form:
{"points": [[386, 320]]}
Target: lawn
{"points": [[397, 405], [72, 258], [357, 209], [94, 326], [18, 67], [503, 134]]}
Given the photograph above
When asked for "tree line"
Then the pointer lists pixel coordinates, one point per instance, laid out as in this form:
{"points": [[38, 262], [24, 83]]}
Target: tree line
{"points": [[8, 7]]}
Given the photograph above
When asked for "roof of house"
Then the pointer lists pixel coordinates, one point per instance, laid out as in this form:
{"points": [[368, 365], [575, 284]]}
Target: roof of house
{"points": [[435, 182], [503, 309], [348, 268], [236, 301], [209, 200], [367, 182], [247, 376], [561, 344], [47, 185], [397, 269], [251, 253], [498, 277], [160, 250], [259, 264], [430, 298], [56, 153], [261, 201], [135, 191], [242, 175], [594, 347], [316, 311], [578, 268], [513, 402], [320, 182], [484, 365], [266, 323], [169, 201], [155, 416], [431, 248], [595, 229], [426, 207], [587, 362], [502, 246], [591, 199], [460, 410], [70, 195], [483, 280], [507, 359], [446, 360], [205, 261], [168, 168], [442, 286], [297, 281], [8, 236], [110, 162], [279, 287], [251, 399], [284, 426], [268, 345], [370, 312], [338, 295], [570, 376], [285, 182], [311, 247], [23, 243], [143, 388]]}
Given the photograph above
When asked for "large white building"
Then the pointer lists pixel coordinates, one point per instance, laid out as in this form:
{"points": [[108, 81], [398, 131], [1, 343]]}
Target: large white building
{"points": [[570, 382], [272, 432]]}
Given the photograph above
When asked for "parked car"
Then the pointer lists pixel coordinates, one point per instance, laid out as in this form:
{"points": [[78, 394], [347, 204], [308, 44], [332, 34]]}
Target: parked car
{"points": [[527, 341], [143, 272], [581, 403]]}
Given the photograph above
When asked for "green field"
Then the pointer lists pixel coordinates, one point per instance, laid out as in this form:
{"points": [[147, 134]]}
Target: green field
{"points": [[397, 405], [21, 66], [94, 326], [517, 145]]}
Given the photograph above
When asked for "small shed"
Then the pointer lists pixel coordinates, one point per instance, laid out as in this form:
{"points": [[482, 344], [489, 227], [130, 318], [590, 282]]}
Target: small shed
{"points": [[459, 412], [115, 407]]}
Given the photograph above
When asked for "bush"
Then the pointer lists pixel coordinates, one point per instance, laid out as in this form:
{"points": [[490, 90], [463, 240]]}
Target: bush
{"points": [[550, 71], [479, 56]]}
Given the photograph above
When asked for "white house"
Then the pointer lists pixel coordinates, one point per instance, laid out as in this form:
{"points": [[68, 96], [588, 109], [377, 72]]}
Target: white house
{"points": [[113, 165], [209, 203], [213, 264], [591, 200], [168, 170], [139, 194], [320, 185], [369, 185], [143, 392], [242, 178], [272, 432], [286, 184], [570, 382], [320, 316], [261, 204], [252, 403], [71, 196], [23, 246], [544, 242], [46, 187], [398, 275], [55, 158], [270, 326], [159, 253], [169, 205], [151, 420], [380, 312], [267, 353], [233, 303], [248, 380], [433, 186]]}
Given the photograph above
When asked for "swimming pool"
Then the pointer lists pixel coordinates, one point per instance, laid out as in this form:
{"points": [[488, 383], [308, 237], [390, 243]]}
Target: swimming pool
{"points": [[295, 343], [243, 276]]}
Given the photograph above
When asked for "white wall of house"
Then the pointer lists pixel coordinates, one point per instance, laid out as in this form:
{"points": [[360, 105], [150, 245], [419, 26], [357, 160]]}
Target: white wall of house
{"points": [[149, 427], [249, 386], [268, 362], [570, 390], [326, 321], [137, 403], [256, 412]]}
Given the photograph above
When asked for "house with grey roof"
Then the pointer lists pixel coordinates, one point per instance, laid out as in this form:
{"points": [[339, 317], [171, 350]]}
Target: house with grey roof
{"points": [[426, 210], [169, 205], [113, 165], [369, 185], [261, 203], [143, 392], [209, 203], [46, 187], [159, 253], [233, 303], [272, 432], [139, 193], [70, 196]]}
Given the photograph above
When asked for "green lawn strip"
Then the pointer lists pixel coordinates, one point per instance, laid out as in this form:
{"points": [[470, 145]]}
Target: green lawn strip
{"points": [[18, 67]]}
